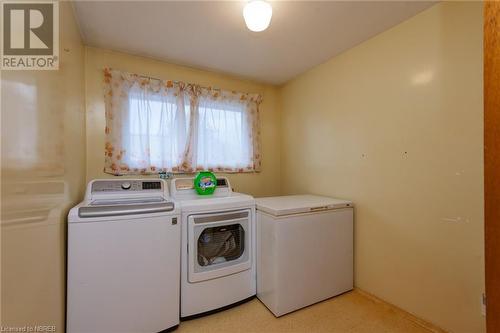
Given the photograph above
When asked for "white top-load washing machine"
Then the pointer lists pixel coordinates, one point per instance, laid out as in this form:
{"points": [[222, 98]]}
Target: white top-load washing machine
{"points": [[304, 250], [217, 247], [123, 258]]}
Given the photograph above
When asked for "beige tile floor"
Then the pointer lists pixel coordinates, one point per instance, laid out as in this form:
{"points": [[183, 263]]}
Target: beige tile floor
{"points": [[352, 312]]}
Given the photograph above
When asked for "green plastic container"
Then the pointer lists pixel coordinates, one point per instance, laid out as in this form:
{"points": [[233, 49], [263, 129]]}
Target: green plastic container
{"points": [[205, 183]]}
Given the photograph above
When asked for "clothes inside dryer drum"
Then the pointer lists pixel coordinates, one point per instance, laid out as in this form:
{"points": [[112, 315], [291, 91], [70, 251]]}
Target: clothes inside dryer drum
{"points": [[221, 244]]}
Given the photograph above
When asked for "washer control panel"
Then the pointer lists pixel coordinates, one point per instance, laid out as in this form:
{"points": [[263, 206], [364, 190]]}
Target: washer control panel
{"points": [[126, 185]]}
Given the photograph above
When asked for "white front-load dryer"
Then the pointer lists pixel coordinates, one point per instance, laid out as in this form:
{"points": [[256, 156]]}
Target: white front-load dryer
{"points": [[217, 247]]}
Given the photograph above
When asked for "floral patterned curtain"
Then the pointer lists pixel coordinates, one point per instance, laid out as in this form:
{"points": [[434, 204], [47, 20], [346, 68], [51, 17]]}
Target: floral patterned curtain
{"points": [[154, 126]]}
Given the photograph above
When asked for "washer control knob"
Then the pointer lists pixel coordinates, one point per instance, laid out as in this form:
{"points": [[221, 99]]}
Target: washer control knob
{"points": [[126, 186]]}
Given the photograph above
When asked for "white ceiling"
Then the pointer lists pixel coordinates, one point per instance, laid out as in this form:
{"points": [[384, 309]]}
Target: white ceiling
{"points": [[212, 34]]}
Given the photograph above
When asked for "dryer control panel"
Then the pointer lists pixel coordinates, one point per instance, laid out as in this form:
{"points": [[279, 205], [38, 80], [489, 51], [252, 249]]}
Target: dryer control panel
{"points": [[183, 188]]}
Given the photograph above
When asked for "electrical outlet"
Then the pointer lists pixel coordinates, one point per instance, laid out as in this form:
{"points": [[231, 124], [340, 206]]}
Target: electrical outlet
{"points": [[483, 304]]}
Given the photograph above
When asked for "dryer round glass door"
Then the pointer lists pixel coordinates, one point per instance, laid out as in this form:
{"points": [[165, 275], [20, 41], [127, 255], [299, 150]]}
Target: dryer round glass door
{"points": [[219, 244]]}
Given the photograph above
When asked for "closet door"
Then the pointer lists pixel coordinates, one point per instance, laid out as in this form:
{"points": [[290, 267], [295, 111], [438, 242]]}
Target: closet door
{"points": [[492, 161]]}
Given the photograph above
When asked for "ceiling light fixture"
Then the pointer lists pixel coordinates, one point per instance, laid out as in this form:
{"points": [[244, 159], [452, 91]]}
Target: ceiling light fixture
{"points": [[257, 15]]}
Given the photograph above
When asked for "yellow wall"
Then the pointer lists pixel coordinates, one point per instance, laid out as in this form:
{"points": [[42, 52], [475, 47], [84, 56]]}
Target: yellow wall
{"points": [[43, 175], [395, 124], [266, 182]]}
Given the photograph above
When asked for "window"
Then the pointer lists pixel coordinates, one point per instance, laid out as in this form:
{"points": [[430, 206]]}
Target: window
{"points": [[155, 125], [222, 135], [156, 130]]}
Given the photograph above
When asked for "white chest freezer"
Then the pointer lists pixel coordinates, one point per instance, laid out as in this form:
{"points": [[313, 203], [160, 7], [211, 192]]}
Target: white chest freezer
{"points": [[304, 250]]}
